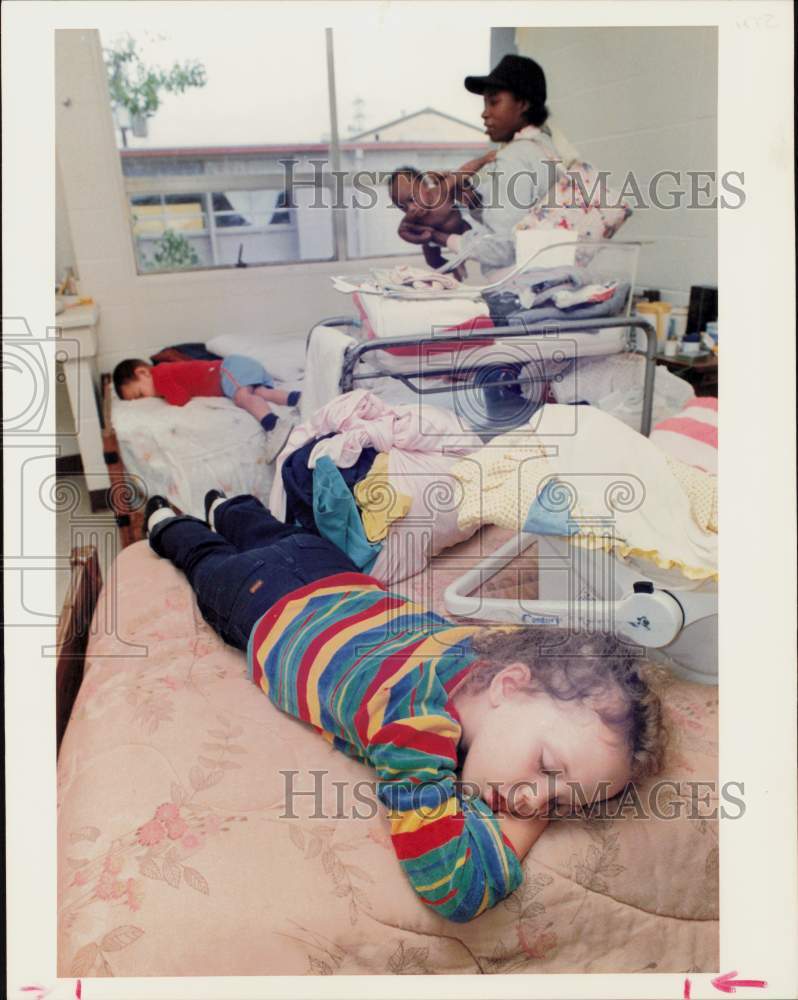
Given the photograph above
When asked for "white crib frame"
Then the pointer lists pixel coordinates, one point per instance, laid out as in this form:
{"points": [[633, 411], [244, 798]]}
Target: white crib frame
{"points": [[686, 619]]}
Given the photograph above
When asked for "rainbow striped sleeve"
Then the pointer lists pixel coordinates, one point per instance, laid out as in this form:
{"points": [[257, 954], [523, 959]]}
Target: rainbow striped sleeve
{"points": [[369, 669], [450, 848]]}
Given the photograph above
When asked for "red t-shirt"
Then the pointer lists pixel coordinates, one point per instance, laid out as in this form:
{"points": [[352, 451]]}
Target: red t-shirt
{"points": [[180, 381]]}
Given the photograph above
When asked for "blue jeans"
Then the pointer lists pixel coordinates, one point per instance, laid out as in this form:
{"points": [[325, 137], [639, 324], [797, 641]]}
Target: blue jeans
{"points": [[243, 568]]}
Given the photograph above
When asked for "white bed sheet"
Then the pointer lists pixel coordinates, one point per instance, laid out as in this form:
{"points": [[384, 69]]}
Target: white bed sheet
{"points": [[183, 451]]}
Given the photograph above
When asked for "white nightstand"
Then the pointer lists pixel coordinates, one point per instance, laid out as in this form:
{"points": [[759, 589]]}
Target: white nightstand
{"points": [[77, 349]]}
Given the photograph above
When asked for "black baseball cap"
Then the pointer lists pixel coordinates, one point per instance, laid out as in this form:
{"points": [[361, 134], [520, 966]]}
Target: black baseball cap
{"points": [[518, 74]]}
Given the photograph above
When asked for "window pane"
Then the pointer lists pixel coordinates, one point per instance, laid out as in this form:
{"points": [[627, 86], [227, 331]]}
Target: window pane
{"points": [[396, 109], [204, 166]]}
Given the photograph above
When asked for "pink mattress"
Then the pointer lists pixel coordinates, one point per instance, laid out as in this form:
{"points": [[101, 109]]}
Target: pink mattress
{"points": [[175, 858]]}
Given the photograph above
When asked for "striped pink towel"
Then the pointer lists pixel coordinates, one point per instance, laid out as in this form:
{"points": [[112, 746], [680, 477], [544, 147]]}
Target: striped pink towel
{"points": [[692, 435]]}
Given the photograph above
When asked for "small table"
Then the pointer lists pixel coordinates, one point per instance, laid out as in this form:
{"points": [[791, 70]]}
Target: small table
{"points": [[701, 372]]}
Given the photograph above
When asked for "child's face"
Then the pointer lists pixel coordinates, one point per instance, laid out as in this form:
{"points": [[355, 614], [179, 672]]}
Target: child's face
{"points": [[424, 203], [141, 387], [521, 741], [402, 190]]}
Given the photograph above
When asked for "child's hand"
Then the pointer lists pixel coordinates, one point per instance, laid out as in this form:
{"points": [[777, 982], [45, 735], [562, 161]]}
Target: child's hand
{"points": [[522, 833]]}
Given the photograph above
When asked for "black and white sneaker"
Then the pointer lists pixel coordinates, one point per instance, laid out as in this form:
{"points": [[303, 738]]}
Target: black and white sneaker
{"points": [[156, 502], [210, 499]]}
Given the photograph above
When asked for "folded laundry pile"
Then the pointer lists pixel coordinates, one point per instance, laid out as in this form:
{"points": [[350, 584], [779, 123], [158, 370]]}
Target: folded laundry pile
{"points": [[544, 293], [414, 277], [555, 293]]}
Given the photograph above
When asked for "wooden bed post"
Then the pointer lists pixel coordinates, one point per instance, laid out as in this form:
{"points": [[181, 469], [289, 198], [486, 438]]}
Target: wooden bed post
{"points": [[123, 497], [74, 624]]}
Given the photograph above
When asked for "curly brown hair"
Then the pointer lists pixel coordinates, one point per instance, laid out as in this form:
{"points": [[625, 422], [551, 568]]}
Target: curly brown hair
{"points": [[611, 676]]}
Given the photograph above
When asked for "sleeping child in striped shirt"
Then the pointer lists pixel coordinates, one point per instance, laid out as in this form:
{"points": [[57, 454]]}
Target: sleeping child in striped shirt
{"points": [[477, 736], [240, 378]]}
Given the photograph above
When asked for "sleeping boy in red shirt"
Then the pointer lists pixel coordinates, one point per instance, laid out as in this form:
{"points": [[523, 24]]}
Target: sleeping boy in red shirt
{"points": [[242, 379]]}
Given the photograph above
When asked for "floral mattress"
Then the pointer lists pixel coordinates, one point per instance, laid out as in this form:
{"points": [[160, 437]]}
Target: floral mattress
{"points": [[176, 856]]}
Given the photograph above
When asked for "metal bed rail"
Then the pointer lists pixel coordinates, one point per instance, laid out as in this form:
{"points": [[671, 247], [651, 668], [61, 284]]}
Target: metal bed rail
{"points": [[358, 352]]}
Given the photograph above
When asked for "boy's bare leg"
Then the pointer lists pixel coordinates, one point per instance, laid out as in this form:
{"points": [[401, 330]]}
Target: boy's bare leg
{"points": [[279, 396], [248, 399]]}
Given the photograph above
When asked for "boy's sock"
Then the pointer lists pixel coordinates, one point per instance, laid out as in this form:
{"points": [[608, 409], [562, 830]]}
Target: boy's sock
{"points": [[212, 500], [157, 509], [161, 514], [294, 397], [212, 512], [269, 422]]}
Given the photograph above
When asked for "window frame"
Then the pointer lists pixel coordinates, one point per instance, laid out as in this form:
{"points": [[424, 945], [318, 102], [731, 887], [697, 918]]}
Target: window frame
{"points": [[206, 185]]}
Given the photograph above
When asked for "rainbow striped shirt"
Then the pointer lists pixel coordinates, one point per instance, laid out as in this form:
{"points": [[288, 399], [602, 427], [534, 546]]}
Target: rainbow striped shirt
{"points": [[372, 671]]}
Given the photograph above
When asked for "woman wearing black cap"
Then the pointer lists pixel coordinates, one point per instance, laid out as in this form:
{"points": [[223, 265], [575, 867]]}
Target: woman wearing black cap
{"points": [[523, 169]]}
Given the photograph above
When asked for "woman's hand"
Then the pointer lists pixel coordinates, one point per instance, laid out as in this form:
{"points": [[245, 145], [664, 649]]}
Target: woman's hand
{"points": [[439, 237], [472, 166], [411, 232]]}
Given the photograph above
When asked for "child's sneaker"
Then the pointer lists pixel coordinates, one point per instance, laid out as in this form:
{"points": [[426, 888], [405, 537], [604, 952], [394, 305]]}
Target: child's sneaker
{"points": [[277, 437], [156, 505], [210, 499]]}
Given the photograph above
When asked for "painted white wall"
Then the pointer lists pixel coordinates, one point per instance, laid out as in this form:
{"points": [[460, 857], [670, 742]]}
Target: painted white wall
{"points": [[64, 258], [141, 314], [641, 99], [64, 252]]}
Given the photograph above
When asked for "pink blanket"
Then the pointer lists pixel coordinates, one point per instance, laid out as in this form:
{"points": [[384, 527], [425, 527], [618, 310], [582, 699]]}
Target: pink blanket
{"points": [[177, 857], [692, 434]]}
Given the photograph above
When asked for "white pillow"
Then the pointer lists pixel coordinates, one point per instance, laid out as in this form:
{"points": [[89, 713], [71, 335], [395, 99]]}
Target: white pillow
{"points": [[283, 358]]}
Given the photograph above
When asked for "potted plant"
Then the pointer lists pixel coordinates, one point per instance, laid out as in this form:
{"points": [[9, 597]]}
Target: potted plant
{"points": [[136, 89], [171, 253]]}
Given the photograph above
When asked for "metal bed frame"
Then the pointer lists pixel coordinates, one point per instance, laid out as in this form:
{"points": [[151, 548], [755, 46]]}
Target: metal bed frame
{"points": [[544, 329], [357, 352]]}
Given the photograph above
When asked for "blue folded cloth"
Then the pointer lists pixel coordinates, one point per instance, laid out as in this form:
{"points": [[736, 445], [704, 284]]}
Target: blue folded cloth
{"points": [[337, 516], [614, 306], [550, 511]]}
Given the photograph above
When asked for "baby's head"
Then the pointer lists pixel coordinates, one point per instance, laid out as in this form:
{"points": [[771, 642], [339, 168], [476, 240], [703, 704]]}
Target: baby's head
{"points": [[423, 199], [403, 186], [550, 724], [133, 379]]}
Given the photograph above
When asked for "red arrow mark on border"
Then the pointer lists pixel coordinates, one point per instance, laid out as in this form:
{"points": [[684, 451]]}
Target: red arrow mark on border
{"points": [[728, 984]]}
